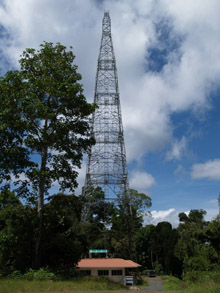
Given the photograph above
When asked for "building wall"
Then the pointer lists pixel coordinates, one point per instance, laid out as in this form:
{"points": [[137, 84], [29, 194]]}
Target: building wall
{"points": [[119, 279]]}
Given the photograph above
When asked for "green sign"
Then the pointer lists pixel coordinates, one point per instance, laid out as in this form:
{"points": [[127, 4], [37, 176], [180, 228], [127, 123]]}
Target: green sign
{"points": [[98, 251]]}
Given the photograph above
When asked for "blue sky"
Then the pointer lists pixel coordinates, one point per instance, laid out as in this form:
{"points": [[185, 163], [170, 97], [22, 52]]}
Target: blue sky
{"points": [[168, 60]]}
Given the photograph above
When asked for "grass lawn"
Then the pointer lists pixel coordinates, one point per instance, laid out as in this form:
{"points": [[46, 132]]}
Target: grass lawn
{"points": [[171, 283], [207, 285], [87, 283]]}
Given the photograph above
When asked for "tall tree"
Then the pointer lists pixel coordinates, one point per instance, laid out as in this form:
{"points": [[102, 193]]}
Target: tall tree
{"points": [[44, 123], [17, 226], [61, 237], [145, 246], [213, 236], [191, 248], [164, 250], [126, 221]]}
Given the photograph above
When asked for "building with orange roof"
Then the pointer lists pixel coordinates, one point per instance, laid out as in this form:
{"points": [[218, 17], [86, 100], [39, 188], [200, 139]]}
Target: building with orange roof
{"points": [[114, 268]]}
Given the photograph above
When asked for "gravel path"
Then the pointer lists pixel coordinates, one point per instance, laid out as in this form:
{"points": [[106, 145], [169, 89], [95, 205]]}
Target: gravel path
{"points": [[155, 284]]}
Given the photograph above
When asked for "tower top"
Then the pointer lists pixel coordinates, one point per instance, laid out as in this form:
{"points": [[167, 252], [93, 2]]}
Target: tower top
{"points": [[106, 23], [106, 13]]}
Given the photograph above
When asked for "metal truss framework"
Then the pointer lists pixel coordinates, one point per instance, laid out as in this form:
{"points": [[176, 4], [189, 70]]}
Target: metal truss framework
{"points": [[106, 165]]}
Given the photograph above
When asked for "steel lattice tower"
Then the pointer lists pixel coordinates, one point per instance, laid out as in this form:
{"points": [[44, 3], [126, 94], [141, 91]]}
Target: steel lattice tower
{"points": [[106, 165]]}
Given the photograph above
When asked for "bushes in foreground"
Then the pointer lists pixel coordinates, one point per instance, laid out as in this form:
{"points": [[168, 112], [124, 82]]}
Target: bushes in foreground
{"points": [[43, 274], [44, 280], [202, 276], [196, 281]]}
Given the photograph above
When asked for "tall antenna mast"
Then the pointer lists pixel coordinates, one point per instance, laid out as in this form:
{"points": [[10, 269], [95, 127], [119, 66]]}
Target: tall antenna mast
{"points": [[106, 167]]}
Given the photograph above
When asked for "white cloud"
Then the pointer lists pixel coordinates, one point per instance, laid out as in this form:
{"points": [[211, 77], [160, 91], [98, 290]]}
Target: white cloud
{"points": [[209, 170], [141, 181], [162, 214], [20, 176], [179, 171], [213, 201], [191, 69], [148, 98], [178, 149], [170, 215], [81, 178], [211, 214]]}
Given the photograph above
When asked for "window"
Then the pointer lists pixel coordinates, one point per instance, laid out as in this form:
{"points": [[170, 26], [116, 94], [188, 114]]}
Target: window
{"points": [[103, 272], [85, 272], [116, 272]]}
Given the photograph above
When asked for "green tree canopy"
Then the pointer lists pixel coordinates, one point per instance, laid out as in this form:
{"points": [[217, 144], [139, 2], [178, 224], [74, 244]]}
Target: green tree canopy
{"points": [[61, 237], [191, 248], [96, 208], [18, 225], [44, 113], [126, 221], [213, 235], [44, 122]]}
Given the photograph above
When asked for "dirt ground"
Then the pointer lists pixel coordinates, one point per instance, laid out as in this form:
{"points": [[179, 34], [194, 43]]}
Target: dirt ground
{"points": [[155, 286]]}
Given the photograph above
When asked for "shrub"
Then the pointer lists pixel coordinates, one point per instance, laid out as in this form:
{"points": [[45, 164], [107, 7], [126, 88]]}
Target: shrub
{"points": [[196, 263], [202, 276], [171, 283], [29, 275], [159, 269], [15, 274], [145, 272], [42, 274], [67, 273]]}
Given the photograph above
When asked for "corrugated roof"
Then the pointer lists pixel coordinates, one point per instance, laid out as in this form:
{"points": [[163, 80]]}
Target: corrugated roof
{"points": [[106, 263]]}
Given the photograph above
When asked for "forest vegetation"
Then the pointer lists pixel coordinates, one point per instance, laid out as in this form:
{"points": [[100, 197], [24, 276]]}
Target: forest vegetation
{"points": [[44, 124]]}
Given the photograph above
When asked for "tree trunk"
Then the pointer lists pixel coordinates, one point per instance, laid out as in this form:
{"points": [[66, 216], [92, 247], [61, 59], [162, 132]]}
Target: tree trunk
{"points": [[151, 258], [40, 207], [130, 232]]}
